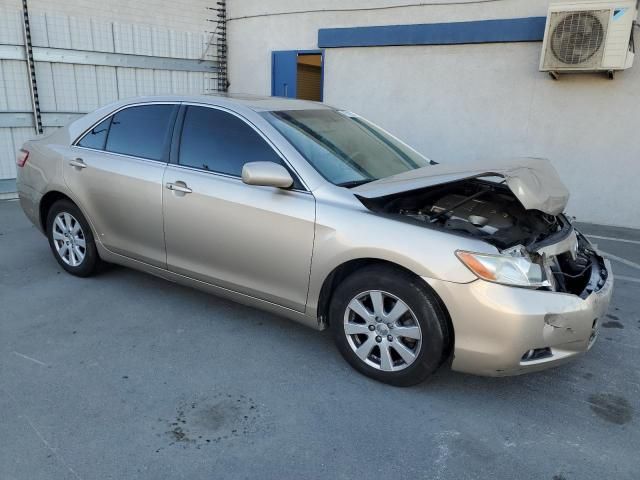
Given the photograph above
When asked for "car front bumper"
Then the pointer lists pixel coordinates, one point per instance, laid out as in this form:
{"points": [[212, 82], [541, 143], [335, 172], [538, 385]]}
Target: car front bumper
{"points": [[496, 325]]}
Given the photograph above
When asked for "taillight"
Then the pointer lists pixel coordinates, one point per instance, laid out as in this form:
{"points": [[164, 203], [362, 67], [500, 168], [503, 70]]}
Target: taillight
{"points": [[23, 155]]}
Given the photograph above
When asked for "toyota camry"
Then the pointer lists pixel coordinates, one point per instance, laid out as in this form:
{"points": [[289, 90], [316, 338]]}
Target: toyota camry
{"points": [[317, 214]]}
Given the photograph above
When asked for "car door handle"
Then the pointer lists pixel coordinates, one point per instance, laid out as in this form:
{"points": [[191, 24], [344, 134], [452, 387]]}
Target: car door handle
{"points": [[177, 187], [78, 163]]}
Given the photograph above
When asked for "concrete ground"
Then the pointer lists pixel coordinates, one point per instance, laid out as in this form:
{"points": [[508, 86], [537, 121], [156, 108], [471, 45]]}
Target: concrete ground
{"points": [[126, 376]]}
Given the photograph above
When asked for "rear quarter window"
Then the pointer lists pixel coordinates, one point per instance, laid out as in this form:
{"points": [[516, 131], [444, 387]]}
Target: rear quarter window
{"points": [[97, 136]]}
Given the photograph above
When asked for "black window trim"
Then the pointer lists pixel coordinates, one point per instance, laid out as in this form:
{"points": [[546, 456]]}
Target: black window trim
{"points": [[167, 147], [177, 134]]}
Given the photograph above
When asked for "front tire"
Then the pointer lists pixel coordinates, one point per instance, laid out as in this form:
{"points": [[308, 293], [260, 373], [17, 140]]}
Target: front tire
{"points": [[389, 325], [71, 239]]}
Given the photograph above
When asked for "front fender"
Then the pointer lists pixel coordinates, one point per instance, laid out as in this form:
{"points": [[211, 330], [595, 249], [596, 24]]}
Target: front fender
{"points": [[343, 235]]}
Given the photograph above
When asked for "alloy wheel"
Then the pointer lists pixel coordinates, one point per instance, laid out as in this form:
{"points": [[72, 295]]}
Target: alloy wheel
{"points": [[382, 330], [69, 239]]}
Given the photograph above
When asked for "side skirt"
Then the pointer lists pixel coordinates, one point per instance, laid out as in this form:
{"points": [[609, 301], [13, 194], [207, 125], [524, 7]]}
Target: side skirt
{"points": [[242, 298]]}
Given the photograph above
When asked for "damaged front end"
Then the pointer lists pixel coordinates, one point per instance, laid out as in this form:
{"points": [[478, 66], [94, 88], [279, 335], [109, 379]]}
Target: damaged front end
{"points": [[536, 249]]}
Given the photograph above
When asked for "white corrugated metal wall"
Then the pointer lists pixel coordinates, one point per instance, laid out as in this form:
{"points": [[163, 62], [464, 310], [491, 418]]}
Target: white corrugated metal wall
{"points": [[14, 92], [82, 63]]}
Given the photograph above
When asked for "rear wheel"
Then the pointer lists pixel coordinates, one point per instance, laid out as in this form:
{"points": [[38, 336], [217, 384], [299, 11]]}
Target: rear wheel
{"points": [[388, 325], [71, 239]]}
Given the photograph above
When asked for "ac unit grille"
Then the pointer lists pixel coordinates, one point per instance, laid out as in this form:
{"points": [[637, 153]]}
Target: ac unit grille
{"points": [[576, 39]]}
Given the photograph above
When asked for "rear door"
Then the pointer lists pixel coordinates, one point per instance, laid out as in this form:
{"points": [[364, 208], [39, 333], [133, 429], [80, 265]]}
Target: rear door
{"points": [[250, 239], [115, 172]]}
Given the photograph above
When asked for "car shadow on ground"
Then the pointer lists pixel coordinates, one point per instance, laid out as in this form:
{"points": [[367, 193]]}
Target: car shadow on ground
{"points": [[301, 341]]}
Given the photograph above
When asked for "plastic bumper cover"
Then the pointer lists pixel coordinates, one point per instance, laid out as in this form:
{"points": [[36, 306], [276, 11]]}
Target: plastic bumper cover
{"points": [[496, 325]]}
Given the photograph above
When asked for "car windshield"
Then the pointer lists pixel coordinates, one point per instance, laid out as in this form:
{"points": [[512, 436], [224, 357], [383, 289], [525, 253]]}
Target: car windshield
{"points": [[344, 148]]}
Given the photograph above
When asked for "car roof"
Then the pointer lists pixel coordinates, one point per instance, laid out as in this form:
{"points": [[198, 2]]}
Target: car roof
{"points": [[234, 102], [254, 102]]}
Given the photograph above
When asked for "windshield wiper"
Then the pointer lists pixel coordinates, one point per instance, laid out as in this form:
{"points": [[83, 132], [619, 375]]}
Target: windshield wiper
{"points": [[354, 183]]}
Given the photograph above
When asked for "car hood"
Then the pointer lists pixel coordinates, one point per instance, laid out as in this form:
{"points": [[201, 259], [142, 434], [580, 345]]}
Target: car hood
{"points": [[534, 181]]}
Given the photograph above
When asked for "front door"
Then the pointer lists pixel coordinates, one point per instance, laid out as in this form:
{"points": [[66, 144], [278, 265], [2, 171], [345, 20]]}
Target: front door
{"points": [[250, 239], [115, 172]]}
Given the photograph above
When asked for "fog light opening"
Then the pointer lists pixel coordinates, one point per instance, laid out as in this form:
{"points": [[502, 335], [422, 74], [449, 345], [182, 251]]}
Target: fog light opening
{"points": [[537, 354]]}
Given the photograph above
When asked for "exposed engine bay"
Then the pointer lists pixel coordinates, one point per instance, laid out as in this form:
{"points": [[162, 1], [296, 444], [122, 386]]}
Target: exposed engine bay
{"points": [[490, 211]]}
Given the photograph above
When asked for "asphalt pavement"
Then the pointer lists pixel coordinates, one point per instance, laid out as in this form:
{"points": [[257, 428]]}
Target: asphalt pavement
{"points": [[127, 376]]}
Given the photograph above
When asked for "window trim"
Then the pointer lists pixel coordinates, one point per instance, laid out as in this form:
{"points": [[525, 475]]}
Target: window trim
{"points": [[177, 136], [166, 154]]}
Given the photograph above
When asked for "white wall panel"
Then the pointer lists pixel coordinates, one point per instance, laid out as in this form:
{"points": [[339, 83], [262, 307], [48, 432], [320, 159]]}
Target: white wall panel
{"points": [[178, 44], [162, 79], [4, 92], [188, 15], [80, 32], [10, 27], [196, 44], [11, 139], [38, 22], [15, 79], [20, 136], [123, 38], [102, 36], [64, 82], [142, 40], [107, 83], [126, 82], [87, 87], [180, 82], [197, 83], [144, 82], [160, 42], [46, 89], [58, 31], [84, 25], [14, 89], [7, 167]]}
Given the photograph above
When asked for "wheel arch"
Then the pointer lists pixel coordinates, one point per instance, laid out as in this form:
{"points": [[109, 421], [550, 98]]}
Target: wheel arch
{"points": [[46, 202], [342, 271]]}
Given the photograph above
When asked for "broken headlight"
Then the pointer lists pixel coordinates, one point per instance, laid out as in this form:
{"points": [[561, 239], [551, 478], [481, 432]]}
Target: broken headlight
{"points": [[512, 267]]}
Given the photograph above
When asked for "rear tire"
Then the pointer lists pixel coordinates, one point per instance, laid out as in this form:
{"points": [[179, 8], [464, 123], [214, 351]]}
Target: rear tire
{"points": [[71, 239], [400, 351]]}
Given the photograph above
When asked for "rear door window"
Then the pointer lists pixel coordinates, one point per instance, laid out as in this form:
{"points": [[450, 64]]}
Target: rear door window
{"points": [[221, 142], [142, 131]]}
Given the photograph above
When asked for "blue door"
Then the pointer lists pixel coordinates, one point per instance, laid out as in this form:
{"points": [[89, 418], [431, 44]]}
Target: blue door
{"points": [[284, 66]]}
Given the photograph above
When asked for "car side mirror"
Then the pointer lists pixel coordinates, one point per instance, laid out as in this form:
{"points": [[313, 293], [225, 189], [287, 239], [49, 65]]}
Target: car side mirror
{"points": [[266, 174]]}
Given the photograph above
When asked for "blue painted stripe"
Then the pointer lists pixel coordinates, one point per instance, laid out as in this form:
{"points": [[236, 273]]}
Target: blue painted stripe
{"points": [[530, 29]]}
